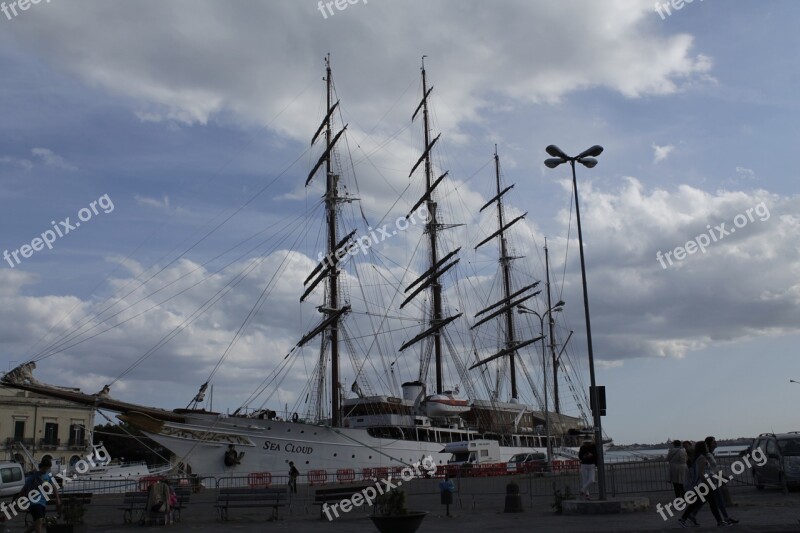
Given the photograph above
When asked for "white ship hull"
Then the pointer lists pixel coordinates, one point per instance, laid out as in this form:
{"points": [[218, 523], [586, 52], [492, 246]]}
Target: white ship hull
{"points": [[269, 445]]}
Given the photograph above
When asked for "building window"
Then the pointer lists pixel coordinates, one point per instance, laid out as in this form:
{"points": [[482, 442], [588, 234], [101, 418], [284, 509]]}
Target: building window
{"points": [[77, 435], [50, 434], [19, 430]]}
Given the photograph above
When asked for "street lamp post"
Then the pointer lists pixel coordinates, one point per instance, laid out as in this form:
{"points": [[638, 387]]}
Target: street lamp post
{"points": [[587, 159], [556, 308]]}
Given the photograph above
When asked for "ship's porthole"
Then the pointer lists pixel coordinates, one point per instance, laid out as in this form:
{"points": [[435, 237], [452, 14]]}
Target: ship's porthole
{"points": [[306, 462], [334, 455], [269, 428], [370, 457], [353, 457], [302, 431]]}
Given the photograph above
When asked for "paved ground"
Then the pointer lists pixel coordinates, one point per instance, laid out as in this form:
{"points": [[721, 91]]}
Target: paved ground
{"points": [[759, 511]]}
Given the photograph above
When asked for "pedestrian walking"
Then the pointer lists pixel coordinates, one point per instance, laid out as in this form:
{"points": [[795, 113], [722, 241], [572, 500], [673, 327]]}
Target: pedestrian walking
{"points": [[293, 474], [446, 490], [34, 483], [711, 444], [677, 457], [699, 470], [587, 454]]}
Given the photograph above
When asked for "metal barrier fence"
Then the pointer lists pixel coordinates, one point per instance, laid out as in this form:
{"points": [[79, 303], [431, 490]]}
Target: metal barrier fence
{"points": [[622, 478], [653, 476]]}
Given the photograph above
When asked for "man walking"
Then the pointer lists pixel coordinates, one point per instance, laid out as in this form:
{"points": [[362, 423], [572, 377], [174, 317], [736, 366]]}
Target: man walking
{"points": [[40, 481], [293, 474], [588, 457]]}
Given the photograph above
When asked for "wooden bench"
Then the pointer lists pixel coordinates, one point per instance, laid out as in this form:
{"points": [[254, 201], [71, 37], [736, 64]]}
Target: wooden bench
{"points": [[133, 502], [184, 494], [136, 502], [73, 504], [249, 498], [336, 495]]}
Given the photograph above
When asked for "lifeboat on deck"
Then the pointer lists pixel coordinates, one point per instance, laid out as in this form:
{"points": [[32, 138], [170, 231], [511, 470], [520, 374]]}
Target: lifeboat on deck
{"points": [[446, 404]]}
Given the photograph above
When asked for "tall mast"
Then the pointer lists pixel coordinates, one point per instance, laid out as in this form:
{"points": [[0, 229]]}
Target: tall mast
{"points": [[432, 233], [328, 269], [552, 335], [437, 266], [506, 306], [505, 265], [331, 194]]}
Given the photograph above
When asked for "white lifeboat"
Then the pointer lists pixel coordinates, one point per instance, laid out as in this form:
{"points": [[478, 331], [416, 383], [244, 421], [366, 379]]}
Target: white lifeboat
{"points": [[445, 405]]}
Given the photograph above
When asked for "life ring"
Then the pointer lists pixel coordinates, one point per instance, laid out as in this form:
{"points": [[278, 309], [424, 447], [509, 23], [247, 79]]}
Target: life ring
{"points": [[295, 418]]}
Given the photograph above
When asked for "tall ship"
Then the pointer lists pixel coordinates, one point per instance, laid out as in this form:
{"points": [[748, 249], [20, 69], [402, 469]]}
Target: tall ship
{"points": [[464, 368]]}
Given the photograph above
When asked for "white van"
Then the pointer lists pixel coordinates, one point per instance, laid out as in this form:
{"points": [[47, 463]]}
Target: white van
{"points": [[12, 478], [473, 452]]}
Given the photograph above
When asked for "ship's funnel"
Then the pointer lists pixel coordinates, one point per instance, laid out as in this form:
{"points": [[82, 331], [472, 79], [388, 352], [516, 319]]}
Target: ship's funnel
{"points": [[412, 390]]}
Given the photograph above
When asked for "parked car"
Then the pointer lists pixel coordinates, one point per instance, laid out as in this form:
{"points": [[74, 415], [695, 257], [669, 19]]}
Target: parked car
{"points": [[782, 467], [12, 478], [523, 463]]}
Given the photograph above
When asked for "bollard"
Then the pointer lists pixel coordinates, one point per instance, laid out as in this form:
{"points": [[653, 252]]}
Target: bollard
{"points": [[513, 499]]}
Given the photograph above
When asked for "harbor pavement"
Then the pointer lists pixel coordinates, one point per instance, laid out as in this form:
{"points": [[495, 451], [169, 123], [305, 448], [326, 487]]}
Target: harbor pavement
{"points": [[758, 511]]}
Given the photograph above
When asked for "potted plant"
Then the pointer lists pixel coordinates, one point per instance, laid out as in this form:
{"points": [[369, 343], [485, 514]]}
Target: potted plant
{"points": [[392, 516]]}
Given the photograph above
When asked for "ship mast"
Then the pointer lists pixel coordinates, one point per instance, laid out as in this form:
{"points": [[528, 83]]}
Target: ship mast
{"points": [[505, 264], [505, 307], [556, 403], [328, 270], [430, 279]]}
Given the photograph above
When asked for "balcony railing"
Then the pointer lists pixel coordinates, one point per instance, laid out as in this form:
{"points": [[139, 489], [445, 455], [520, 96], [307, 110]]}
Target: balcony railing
{"points": [[12, 440], [49, 444], [77, 444]]}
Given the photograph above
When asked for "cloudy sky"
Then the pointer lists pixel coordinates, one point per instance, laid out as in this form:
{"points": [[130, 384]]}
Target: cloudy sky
{"points": [[187, 123]]}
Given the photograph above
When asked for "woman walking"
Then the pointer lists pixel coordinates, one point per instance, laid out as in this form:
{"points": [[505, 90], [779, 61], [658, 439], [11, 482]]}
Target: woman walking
{"points": [[699, 469], [676, 456]]}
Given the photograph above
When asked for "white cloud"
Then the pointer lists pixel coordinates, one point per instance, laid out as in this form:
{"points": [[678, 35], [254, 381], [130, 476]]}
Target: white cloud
{"points": [[646, 311], [51, 159], [24, 163], [153, 202], [618, 49], [650, 311], [660, 153]]}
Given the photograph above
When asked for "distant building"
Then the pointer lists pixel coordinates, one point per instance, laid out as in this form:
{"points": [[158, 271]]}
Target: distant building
{"points": [[34, 426]]}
